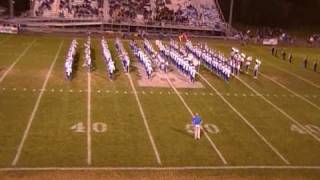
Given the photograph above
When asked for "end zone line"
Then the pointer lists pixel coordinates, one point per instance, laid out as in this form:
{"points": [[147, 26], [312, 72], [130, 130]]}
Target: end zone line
{"points": [[291, 91], [89, 159], [35, 108], [144, 120], [297, 76], [192, 114], [169, 168], [275, 150], [16, 61], [280, 110]]}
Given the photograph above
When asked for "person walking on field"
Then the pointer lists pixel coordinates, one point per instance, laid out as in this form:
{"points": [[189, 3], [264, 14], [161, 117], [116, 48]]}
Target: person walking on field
{"points": [[196, 122]]}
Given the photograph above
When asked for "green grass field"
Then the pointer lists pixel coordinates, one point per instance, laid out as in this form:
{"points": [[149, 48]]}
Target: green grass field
{"points": [[254, 127]]}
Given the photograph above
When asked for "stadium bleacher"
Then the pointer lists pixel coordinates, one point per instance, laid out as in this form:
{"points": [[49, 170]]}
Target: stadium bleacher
{"points": [[175, 12]]}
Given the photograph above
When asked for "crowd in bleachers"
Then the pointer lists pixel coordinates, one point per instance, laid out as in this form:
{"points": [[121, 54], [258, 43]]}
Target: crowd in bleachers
{"points": [[80, 8], [187, 12], [108, 58], [143, 58], [42, 6], [133, 10], [123, 55], [70, 59], [184, 12]]}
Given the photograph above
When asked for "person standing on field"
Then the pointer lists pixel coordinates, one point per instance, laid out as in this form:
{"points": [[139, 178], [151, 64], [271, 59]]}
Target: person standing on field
{"points": [[196, 122]]}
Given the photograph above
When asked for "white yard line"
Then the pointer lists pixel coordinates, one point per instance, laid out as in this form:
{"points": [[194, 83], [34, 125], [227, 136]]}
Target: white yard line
{"points": [[146, 168], [296, 76], [89, 159], [280, 110], [16, 61], [35, 108], [192, 114], [144, 120], [291, 91], [275, 150]]}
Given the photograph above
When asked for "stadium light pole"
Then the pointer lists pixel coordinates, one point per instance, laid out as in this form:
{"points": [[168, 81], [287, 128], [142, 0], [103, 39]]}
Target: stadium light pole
{"points": [[11, 9], [231, 13]]}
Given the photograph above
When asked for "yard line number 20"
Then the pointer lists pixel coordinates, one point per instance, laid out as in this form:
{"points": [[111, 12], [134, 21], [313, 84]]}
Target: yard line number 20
{"points": [[98, 127]]}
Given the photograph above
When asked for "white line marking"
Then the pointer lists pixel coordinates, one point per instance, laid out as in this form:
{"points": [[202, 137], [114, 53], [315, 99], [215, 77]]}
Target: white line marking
{"points": [[192, 114], [5, 39], [89, 159], [35, 108], [281, 111], [299, 77], [144, 120], [4, 75], [291, 91], [247, 122], [183, 168]]}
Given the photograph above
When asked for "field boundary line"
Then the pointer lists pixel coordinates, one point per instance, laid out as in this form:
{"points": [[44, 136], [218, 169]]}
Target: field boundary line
{"points": [[275, 150], [89, 159], [297, 76], [16, 61], [144, 120], [150, 168], [291, 91], [280, 110], [192, 114], [6, 39], [35, 108]]}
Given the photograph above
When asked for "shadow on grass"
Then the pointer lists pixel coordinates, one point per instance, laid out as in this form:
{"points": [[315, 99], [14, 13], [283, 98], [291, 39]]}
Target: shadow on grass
{"points": [[181, 131]]}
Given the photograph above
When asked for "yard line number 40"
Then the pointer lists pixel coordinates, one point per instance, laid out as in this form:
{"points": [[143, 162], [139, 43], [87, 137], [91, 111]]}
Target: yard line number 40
{"points": [[98, 127]]}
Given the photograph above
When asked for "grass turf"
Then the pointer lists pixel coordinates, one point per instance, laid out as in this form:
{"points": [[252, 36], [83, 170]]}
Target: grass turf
{"points": [[51, 142]]}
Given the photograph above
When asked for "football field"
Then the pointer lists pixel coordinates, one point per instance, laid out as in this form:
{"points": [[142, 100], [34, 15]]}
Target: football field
{"points": [[92, 123]]}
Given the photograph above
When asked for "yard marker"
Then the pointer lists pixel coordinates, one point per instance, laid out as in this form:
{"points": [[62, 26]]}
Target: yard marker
{"points": [[291, 91], [89, 159], [281, 111], [35, 108], [247, 122], [4, 75], [192, 114], [144, 120], [169, 168]]}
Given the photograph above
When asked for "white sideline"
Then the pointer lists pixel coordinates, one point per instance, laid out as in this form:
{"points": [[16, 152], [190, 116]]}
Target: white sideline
{"points": [[150, 168], [144, 120], [299, 77], [192, 114], [5, 39], [35, 108], [280, 110], [16, 61], [246, 121], [291, 91], [89, 159]]}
